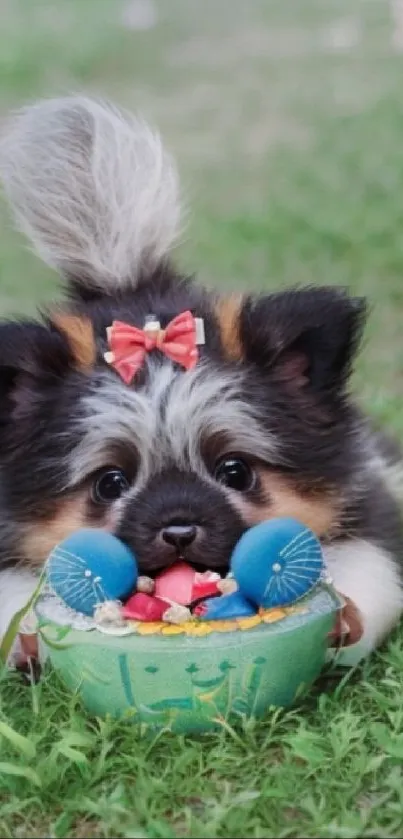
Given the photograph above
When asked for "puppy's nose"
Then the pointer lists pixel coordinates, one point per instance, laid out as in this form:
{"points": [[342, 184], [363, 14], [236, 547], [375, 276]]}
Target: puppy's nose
{"points": [[180, 536]]}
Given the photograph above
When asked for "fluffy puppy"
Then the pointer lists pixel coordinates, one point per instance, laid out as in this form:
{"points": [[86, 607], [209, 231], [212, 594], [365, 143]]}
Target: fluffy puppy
{"points": [[176, 463]]}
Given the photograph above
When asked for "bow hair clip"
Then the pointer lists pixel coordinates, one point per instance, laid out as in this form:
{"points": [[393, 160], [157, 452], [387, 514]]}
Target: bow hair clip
{"points": [[129, 346]]}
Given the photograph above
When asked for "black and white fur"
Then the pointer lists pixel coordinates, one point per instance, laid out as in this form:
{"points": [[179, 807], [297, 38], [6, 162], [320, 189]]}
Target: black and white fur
{"points": [[97, 195]]}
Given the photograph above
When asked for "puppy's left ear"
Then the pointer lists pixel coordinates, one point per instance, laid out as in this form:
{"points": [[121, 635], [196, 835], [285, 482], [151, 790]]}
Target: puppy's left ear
{"points": [[305, 338]]}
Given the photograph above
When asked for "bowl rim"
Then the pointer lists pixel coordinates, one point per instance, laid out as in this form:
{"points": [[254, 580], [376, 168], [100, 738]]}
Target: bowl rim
{"points": [[196, 628]]}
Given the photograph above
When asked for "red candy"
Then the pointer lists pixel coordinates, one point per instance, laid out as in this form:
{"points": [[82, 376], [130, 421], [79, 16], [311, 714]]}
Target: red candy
{"points": [[205, 585], [180, 584], [144, 607], [200, 610]]}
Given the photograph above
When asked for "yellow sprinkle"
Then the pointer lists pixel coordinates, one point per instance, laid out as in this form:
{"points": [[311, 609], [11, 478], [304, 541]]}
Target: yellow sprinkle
{"points": [[248, 623], [273, 615], [224, 626], [296, 610], [198, 628], [152, 628], [172, 629]]}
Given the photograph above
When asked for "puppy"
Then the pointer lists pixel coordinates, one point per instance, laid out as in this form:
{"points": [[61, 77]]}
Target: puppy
{"points": [[176, 459]]}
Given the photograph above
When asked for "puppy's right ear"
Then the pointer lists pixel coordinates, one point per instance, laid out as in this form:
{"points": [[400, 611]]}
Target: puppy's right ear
{"points": [[94, 190], [304, 338]]}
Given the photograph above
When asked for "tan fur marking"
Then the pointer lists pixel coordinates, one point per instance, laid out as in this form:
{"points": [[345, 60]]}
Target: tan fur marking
{"points": [[43, 535], [80, 335], [228, 312], [319, 511]]}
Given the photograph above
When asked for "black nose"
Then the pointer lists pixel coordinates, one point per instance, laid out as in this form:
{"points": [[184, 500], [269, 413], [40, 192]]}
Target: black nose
{"points": [[179, 535]]}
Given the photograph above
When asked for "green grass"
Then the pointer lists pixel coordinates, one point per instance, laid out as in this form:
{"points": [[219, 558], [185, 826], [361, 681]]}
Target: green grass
{"points": [[330, 768], [286, 117]]}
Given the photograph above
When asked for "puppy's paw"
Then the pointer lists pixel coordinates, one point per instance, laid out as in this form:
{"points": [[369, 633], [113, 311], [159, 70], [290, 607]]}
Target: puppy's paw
{"points": [[349, 626]]}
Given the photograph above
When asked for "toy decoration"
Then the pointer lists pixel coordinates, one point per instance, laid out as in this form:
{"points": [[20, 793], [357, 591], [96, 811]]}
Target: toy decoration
{"points": [[89, 567], [233, 605], [144, 607], [109, 619], [130, 345], [274, 563], [277, 562]]}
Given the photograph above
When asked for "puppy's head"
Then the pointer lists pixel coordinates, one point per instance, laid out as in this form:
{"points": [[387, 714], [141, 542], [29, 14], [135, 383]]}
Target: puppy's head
{"points": [[178, 463]]}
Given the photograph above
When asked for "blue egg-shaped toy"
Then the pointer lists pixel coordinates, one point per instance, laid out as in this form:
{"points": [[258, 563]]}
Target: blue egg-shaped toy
{"points": [[277, 562], [89, 567], [228, 606]]}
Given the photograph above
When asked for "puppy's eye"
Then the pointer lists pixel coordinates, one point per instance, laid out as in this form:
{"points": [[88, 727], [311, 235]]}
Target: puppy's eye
{"points": [[234, 473], [109, 485]]}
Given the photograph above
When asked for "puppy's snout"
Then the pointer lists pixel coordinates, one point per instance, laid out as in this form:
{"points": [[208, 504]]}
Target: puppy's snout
{"points": [[180, 515], [179, 536]]}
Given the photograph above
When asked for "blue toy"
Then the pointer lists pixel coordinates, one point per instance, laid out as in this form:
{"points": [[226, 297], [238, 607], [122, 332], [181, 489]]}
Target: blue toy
{"points": [[277, 562], [229, 606], [89, 567]]}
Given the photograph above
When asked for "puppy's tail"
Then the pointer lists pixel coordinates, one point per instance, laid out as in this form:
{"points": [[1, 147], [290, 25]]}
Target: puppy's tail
{"points": [[93, 189]]}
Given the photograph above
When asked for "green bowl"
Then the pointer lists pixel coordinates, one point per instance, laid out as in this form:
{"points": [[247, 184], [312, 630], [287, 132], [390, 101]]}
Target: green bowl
{"points": [[191, 678]]}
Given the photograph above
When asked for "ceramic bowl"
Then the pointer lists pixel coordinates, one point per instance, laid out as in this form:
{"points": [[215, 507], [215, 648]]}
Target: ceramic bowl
{"points": [[191, 677]]}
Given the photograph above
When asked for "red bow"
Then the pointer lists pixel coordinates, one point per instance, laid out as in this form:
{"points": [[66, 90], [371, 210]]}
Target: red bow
{"points": [[129, 345]]}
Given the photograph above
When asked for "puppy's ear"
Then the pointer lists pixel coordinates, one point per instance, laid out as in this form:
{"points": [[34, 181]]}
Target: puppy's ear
{"points": [[33, 359], [305, 338]]}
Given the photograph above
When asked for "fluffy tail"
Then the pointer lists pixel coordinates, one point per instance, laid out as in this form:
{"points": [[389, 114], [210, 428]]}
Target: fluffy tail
{"points": [[93, 189]]}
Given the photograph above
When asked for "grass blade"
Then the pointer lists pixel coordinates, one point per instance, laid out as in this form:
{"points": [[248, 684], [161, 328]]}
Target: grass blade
{"points": [[21, 743], [20, 772], [13, 627]]}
